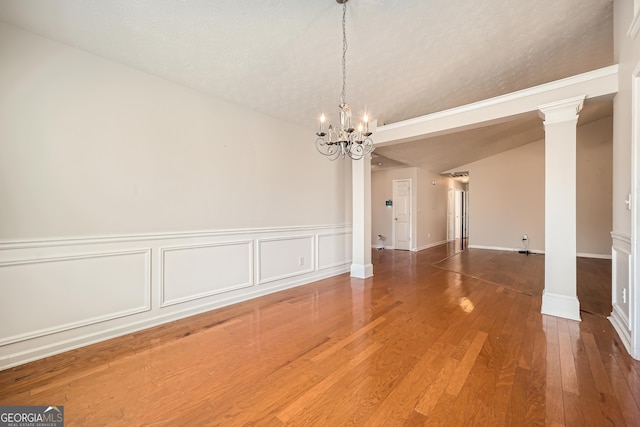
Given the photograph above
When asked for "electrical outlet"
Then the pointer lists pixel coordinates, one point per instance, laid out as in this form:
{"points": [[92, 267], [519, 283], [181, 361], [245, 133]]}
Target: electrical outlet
{"points": [[525, 237], [301, 260], [624, 295]]}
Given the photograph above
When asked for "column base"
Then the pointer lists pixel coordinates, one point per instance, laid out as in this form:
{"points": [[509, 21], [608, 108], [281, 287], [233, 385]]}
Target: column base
{"points": [[561, 306], [361, 271]]}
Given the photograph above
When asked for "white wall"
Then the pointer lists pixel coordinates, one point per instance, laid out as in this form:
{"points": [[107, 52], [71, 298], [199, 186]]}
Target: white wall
{"points": [[507, 194], [129, 201], [506, 198], [103, 149], [594, 188], [428, 206], [432, 209], [626, 160]]}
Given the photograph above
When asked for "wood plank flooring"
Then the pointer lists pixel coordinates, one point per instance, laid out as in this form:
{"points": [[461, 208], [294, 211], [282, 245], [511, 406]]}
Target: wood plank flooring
{"points": [[525, 273], [417, 344]]}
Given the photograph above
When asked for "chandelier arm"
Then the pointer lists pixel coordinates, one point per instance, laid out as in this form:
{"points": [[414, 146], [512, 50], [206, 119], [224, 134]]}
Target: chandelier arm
{"points": [[325, 148], [335, 155], [343, 141]]}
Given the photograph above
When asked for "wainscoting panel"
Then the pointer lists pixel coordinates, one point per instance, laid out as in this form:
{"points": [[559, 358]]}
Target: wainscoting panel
{"points": [[620, 289], [283, 257], [48, 295], [192, 272], [61, 294], [334, 250]]}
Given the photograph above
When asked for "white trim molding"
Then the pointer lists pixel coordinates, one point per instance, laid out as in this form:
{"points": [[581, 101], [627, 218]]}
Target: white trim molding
{"points": [[598, 83], [294, 249], [634, 28], [430, 245], [634, 205], [505, 249], [622, 291], [213, 262], [360, 271], [560, 306], [594, 256], [341, 254], [57, 306], [105, 287], [86, 240], [382, 247]]}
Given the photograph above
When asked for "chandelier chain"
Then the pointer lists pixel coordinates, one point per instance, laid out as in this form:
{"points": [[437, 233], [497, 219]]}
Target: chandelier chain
{"points": [[345, 139], [344, 53]]}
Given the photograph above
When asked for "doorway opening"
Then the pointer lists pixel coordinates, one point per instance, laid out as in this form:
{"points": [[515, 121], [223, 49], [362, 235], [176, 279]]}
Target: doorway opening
{"points": [[402, 214], [457, 217]]}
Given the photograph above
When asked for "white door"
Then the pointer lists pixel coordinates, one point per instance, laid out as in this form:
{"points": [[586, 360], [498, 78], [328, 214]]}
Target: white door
{"points": [[402, 214], [458, 214], [465, 214], [451, 219]]}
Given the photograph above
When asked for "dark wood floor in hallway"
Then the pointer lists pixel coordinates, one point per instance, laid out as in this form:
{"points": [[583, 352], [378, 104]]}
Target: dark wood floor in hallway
{"points": [[417, 344], [525, 273]]}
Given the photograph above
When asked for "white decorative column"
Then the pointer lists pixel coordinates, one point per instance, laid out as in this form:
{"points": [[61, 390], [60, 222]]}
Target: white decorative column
{"points": [[560, 122], [361, 266]]}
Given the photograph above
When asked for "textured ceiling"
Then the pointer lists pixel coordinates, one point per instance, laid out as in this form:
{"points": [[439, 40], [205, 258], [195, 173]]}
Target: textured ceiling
{"points": [[282, 57], [442, 153]]}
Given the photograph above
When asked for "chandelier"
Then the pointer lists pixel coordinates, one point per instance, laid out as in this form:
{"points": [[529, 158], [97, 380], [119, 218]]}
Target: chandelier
{"points": [[344, 140]]}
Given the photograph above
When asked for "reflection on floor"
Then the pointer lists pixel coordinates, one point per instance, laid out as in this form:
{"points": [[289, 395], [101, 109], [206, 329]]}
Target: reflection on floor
{"points": [[413, 345], [525, 273]]}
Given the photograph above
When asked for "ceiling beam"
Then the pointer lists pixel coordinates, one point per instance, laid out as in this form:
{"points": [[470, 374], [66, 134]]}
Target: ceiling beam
{"points": [[597, 84]]}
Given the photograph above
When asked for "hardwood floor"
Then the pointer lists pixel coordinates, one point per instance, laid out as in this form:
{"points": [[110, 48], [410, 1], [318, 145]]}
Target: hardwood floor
{"points": [[525, 273], [594, 286], [416, 344]]}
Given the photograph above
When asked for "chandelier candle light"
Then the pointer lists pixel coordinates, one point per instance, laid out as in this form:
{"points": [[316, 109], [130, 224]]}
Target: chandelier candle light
{"points": [[344, 141]]}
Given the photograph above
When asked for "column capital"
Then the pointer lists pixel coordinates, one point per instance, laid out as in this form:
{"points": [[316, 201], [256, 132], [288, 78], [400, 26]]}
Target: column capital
{"points": [[562, 111]]}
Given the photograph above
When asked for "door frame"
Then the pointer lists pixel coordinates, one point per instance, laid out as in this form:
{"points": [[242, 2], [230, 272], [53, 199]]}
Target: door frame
{"points": [[451, 214], [457, 200], [393, 213], [458, 214]]}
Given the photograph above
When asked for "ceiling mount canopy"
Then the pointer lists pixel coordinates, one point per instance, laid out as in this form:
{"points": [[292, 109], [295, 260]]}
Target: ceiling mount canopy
{"points": [[344, 140]]}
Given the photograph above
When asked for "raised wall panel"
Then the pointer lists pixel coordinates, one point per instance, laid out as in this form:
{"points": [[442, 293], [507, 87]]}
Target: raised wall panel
{"points": [[621, 292], [48, 295], [198, 271], [621, 261], [621, 267], [61, 294], [280, 258], [334, 249]]}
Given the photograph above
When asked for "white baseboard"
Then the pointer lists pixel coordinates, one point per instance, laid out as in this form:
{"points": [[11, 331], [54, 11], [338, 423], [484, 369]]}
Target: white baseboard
{"points": [[361, 271], [618, 323], [538, 251], [505, 249], [596, 256], [430, 245], [381, 247], [560, 306]]}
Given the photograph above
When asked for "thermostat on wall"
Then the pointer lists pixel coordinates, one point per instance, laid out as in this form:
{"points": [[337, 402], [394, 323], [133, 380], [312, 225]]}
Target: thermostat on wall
{"points": [[389, 203]]}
